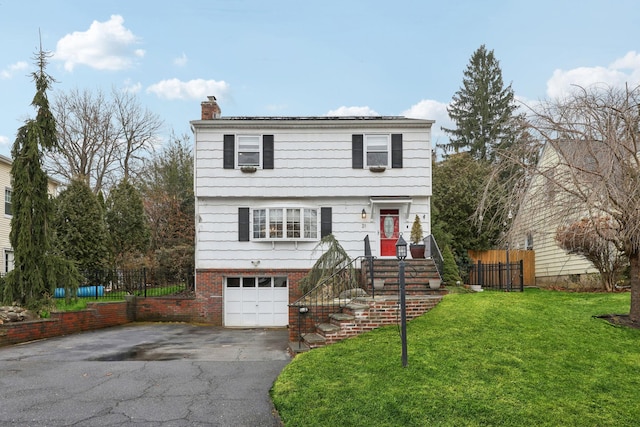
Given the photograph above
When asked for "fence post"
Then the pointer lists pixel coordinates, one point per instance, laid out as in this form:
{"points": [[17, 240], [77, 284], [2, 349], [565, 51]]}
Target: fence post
{"points": [[480, 274], [521, 276], [144, 280]]}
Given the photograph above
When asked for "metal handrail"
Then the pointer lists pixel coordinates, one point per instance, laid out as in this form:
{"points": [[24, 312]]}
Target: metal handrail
{"points": [[327, 295]]}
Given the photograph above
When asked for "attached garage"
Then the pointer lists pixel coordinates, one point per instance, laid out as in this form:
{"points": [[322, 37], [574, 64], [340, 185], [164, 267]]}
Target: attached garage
{"points": [[256, 301]]}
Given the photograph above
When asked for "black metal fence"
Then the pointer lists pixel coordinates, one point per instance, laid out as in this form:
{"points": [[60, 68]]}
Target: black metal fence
{"points": [[115, 284], [500, 276]]}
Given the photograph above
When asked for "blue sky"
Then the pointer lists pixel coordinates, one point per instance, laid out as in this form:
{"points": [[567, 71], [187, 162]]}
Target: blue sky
{"points": [[300, 58]]}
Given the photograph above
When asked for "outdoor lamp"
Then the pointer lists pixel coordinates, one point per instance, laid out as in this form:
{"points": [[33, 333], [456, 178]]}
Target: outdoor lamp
{"points": [[401, 248], [303, 310], [364, 214]]}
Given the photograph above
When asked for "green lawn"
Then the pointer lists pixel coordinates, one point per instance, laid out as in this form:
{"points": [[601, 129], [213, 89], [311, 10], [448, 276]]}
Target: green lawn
{"points": [[536, 358]]}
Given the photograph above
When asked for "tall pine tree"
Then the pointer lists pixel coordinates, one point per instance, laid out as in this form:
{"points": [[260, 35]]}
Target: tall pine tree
{"points": [[482, 110], [37, 269]]}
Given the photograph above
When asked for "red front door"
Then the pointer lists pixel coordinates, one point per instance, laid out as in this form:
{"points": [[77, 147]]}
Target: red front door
{"points": [[389, 231]]}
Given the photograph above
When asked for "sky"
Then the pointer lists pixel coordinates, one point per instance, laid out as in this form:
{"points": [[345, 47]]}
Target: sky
{"points": [[303, 58]]}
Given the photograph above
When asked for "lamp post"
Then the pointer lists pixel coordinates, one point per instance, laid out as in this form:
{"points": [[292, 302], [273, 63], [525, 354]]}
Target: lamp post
{"points": [[507, 224], [401, 254]]}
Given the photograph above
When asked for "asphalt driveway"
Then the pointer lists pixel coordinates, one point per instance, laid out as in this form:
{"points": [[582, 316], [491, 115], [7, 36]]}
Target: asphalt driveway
{"points": [[144, 374]]}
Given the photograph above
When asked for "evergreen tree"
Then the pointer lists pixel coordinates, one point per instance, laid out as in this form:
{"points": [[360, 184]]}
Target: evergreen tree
{"points": [[127, 224], [451, 273], [37, 268], [482, 109], [81, 233], [457, 188]]}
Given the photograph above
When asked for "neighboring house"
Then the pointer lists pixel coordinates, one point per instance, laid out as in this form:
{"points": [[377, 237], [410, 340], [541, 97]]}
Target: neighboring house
{"points": [[535, 225], [5, 219], [269, 188]]}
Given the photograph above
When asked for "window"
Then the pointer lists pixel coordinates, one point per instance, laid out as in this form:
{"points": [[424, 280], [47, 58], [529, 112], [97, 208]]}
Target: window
{"points": [[377, 147], [262, 282], [248, 151], [285, 223], [376, 151], [8, 261], [7, 201]]}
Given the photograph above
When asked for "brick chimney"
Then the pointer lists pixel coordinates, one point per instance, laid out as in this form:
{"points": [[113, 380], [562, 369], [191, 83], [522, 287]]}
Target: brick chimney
{"points": [[210, 109]]}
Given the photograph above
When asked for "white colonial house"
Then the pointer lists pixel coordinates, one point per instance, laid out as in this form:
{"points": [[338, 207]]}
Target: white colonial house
{"points": [[269, 188]]}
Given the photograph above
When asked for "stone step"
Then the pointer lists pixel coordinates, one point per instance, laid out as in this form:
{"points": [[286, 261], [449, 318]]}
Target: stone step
{"points": [[327, 329], [314, 340], [342, 317], [297, 347]]}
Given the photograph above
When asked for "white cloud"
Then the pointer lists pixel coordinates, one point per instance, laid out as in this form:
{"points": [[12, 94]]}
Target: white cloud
{"points": [[8, 72], [131, 87], [181, 61], [352, 111], [625, 70], [4, 140], [193, 89], [432, 110], [104, 46]]}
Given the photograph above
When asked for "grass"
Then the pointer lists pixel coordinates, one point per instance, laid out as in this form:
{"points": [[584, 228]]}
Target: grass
{"points": [[510, 359]]}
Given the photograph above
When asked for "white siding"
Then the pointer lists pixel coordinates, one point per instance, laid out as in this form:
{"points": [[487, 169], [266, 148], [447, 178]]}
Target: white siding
{"points": [[538, 217], [312, 161], [217, 244], [313, 169]]}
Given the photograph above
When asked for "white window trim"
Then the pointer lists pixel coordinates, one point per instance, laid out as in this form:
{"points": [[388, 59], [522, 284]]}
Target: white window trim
{"points": [[8, 189], [284, 237], [366, 149], [258, 141]]}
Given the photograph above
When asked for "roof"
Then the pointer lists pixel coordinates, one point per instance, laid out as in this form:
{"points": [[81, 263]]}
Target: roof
{"points": [[311, 121]]}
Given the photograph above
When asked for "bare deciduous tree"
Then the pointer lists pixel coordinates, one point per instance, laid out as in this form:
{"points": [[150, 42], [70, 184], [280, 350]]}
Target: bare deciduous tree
{"points": [[590, 169], [138, 129], [100, 138]]}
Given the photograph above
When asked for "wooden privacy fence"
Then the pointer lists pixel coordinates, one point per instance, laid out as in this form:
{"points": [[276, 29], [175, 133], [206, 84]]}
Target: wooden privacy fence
{"points": [[522, 267]]}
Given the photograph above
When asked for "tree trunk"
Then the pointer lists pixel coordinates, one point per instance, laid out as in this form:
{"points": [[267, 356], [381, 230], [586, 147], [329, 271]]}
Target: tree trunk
{"points": [[634, 310]]}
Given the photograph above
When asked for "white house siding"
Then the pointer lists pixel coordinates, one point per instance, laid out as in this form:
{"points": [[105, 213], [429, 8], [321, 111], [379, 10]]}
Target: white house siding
{"points": [[5, 220], [312, 158], [537, 217], [312, 168], [217, 230]]}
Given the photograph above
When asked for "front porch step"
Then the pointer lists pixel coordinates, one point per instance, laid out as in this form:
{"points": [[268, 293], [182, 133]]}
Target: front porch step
{"points": [[297, 347], [364, 314], [314, 340], [327, 329], [342, 317]]}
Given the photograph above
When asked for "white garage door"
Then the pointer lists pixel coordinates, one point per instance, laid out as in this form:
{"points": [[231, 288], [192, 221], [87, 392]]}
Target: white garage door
{"points": [[256, 301]]}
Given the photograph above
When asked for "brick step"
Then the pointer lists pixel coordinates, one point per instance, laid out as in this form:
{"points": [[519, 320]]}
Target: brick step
{"points": [[364, 314]]}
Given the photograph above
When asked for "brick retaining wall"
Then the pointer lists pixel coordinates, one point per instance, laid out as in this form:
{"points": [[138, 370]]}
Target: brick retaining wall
{"points": [[100, 315]]}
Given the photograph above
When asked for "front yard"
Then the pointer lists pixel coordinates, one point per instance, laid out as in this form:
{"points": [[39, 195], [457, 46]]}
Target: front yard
{"points": [[509, 359]]}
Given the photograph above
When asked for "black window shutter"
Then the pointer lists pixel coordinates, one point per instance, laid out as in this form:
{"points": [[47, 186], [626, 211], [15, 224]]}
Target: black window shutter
{"points": [[243, 224], [229, 152], [396, 150], [267, 152], [357, 151], [325, 222]]}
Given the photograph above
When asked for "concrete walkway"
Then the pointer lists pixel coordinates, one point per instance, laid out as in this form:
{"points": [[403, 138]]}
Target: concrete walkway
{"points": [[144, 375]]}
